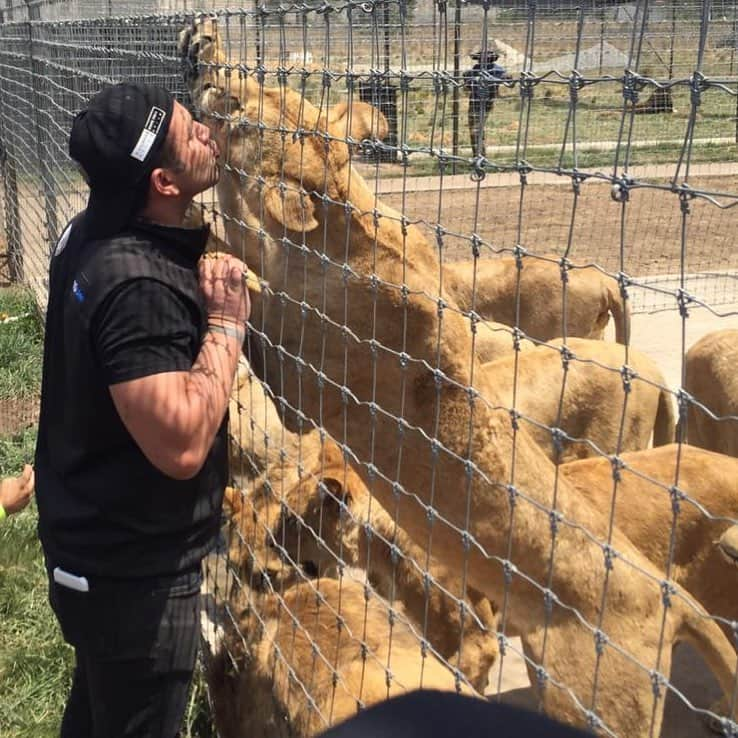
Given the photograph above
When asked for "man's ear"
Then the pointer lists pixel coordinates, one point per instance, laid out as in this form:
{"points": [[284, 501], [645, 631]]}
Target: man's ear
{"points": [[290, 205], [162, 183]]}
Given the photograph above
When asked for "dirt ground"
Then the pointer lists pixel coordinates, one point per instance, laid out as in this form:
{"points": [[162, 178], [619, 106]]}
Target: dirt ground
{"points": [[17, 414], [549, 216], [548, 219]]}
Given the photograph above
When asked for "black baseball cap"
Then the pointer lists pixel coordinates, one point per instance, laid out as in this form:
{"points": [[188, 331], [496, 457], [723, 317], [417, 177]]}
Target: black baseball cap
{"points": [[117, 141], [489, 55]]}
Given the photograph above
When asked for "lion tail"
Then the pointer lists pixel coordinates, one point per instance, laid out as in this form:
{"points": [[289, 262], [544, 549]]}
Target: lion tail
{"points": [[620, 311], [665, 421]]}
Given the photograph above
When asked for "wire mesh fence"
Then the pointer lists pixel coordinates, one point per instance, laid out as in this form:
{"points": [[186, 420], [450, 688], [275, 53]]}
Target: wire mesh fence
{"points": [[429, 488]]}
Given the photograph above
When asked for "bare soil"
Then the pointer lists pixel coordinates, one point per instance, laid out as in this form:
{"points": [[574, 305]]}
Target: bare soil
{"points": [[642, 237], [17, 414]]}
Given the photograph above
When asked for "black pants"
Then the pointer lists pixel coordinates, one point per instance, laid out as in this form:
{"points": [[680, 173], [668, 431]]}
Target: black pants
{"points": [[135, 644]]}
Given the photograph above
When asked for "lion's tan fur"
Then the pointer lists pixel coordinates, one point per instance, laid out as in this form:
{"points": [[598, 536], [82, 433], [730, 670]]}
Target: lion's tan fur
{"points": [[381, 327], [321, 518], [588, 401], [728, 545], [644, 511], [259, 438], [712, 380], [535, 298], [311, 658]]}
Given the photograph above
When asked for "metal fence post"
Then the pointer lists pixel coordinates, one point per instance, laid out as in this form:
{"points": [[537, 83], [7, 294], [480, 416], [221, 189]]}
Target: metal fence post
{"points": [[10, 189], [455, 105], [47, 180]]}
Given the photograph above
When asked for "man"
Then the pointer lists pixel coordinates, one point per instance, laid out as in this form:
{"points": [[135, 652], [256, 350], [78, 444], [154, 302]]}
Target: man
{"points": [[141, 346], [482, 83]]}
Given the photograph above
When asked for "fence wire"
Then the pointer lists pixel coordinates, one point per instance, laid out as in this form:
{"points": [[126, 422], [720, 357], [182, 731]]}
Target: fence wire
{"points": [[439, 478]]}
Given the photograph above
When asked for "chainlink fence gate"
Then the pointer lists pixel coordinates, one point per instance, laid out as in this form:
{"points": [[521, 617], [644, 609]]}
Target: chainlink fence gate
{"points": [[411, 505]]}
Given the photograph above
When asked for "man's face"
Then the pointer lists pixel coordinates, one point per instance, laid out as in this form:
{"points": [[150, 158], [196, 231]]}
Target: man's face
{"points": [[197, 166]]}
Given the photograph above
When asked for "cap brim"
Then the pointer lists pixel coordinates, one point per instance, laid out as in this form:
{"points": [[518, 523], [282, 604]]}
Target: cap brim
{"points": [[108, 213]]}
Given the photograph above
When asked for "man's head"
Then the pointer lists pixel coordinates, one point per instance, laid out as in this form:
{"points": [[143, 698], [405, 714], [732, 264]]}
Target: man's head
{"points": [[137, 148], [486, 56]]}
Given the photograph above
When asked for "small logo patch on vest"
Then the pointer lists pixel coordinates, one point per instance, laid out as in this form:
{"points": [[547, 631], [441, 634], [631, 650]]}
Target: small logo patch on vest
{"points": [[77, 291]]}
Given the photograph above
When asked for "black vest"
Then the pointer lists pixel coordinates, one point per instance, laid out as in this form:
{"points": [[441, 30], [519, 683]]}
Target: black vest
{"points": [[104, 509]]}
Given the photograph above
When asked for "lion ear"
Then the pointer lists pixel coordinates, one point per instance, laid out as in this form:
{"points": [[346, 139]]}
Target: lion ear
{"points": [[291, 206]]}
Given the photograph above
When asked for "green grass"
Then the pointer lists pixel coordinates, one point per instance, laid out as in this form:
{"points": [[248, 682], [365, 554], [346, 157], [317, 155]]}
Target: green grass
{"points": [[20, 345], [35, 663]]}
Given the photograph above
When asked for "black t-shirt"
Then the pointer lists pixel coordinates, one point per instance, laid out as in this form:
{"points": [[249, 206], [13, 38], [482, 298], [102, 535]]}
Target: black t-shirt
{"points": [[120, 309]]}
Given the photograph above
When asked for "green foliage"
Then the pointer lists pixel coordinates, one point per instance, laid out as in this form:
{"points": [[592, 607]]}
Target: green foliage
{"points": [[35, 663], [17, 450]]}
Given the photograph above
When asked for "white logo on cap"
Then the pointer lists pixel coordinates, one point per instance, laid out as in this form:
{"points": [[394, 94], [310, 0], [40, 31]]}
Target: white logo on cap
{"points": [[148, 134]]}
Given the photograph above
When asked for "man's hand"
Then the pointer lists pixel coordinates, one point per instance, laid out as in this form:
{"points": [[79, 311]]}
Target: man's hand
{"points": [[15, 492], [223, 284], [174, 416]]}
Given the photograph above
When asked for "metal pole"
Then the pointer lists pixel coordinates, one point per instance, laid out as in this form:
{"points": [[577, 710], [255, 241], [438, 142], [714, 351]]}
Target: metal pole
{"points": [[386, 21], [10, 179], [673, 35], [386, 92], [457, 76], [257, 31], [734, 39], [47, 180], [10, 191], [602, 37]]}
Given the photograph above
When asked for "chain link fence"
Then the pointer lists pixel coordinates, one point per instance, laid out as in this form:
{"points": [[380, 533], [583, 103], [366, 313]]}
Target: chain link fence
{"points": [[401, 514]]}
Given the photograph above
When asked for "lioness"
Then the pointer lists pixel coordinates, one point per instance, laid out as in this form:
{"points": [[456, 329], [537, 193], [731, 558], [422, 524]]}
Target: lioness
{"points": [[588, 399], [293, 664], [531, 293], [710, 378], [276, 529], [359, 340], [683, 491]]}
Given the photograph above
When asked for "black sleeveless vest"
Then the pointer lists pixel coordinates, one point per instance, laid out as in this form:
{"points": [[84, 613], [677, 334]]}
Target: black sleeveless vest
{"points": [[104, 509]]}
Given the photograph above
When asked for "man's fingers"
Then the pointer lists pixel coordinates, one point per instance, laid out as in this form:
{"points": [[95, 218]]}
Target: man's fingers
{"points": [[235, 277]]}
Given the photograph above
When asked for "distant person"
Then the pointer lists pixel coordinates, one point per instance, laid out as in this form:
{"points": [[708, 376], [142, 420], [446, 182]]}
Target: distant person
{"points": [[482, 83], [16, 492]]}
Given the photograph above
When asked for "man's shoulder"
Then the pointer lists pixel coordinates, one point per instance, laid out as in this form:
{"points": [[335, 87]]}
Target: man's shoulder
{"points": [[108, 264], [128, 253]]}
